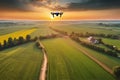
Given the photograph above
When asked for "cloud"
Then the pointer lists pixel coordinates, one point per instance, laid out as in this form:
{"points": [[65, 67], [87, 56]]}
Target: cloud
{"points": [[91, 5], [28, 5], [12, 5], [21, 5]]}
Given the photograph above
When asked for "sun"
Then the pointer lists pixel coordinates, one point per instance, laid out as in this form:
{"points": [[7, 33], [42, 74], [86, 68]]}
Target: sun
{"points": [[55, 18], [51, 17]]}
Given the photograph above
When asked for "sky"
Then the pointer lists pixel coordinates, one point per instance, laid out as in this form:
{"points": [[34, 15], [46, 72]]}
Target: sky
{"points": [[72, 9]]}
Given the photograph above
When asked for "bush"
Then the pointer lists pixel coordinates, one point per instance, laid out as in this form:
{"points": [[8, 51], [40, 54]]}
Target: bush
{"points": [[37, 44], [0, 46], [35, 38], [116, 71]]}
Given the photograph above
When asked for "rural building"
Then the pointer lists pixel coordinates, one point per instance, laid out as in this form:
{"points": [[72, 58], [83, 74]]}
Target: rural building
{"points": [[93, 40]]}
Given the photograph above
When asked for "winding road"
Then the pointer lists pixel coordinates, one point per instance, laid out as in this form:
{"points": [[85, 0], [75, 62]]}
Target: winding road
{"points": [[44, 64]]}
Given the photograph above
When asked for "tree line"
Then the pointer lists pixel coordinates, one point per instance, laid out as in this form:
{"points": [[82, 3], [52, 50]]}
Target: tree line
{"points": [[111, 47], [15, 42], [59, 31], [87, 34], [96, 48], [109, 25], [50, 36]]}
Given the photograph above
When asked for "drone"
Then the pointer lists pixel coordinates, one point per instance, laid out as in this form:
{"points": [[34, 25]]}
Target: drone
{"points": [[56, 14]]}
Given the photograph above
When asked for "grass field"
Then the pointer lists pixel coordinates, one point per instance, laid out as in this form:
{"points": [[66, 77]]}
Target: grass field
{"points": [[112, 42], [68, 63], [42, 30], [65, 61], [17, 34], [108, 60], [91, 28], [20, 63]]}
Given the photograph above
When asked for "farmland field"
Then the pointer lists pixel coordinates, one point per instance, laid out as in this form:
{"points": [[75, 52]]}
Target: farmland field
{"points": [[5, 29], [20, 63], [112, 42], [108, 60], [68, 63], [42, 30], [17, 34], [91, 28], [66, 60]]}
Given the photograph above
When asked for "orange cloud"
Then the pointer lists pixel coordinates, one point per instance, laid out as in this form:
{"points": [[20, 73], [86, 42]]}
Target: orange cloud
{"points": [[44, 14]]}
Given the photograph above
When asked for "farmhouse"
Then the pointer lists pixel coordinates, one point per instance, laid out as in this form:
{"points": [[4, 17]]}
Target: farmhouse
{"points": [[93, 40]]}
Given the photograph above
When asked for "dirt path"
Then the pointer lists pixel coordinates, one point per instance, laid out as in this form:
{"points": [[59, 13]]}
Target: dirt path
{"points": [[44, 65], [93, 58]]}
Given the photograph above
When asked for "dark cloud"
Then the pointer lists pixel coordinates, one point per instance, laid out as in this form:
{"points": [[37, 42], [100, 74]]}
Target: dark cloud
{"points": [[27, 5], [20, 5], [91, 5], [12, 5]]}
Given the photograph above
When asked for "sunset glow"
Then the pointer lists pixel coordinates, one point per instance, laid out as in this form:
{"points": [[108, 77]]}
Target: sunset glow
{"points": [[41, 11]]}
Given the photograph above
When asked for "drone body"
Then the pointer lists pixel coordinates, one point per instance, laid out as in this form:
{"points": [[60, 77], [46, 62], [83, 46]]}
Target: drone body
{"points": [[56, 14]]}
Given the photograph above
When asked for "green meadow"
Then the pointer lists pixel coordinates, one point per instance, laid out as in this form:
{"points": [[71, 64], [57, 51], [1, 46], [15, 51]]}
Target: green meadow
{"points": [[68, 63], [20, 63], [83, 28], [65, 60], [107, 60], [112, 42]]}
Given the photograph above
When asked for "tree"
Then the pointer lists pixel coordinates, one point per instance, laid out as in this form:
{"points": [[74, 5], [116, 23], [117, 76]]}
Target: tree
{"points": [[116, 71], [28, 37], [37, 44], [21, 40], [35, 38], [15, 41], [10, 42], [100, 40], [5, 44], [1, 47]]}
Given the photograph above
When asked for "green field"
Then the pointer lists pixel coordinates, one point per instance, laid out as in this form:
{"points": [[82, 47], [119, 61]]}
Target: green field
{"points": [[83, 28], [108, 60], [20, 63], [42, 30], [112, 42], [68, 63], [65, 60]]}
